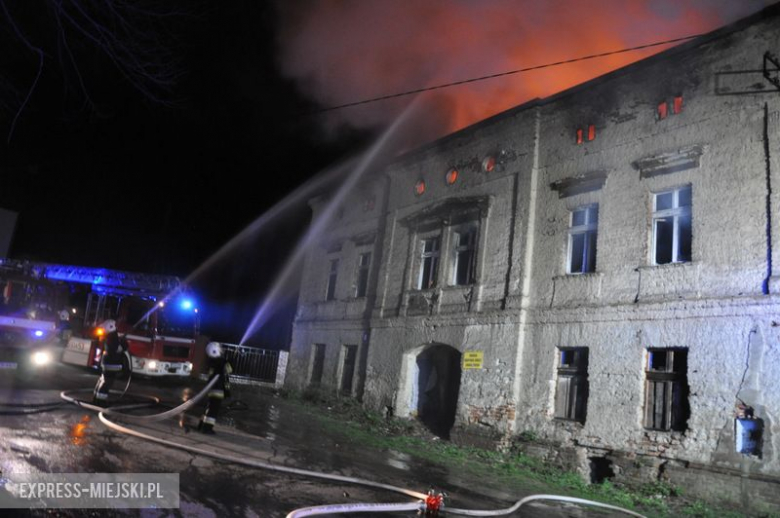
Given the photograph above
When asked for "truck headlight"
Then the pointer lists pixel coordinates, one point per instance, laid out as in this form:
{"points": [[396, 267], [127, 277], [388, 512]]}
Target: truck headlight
{"points": [[41, 358], [152, 365]]}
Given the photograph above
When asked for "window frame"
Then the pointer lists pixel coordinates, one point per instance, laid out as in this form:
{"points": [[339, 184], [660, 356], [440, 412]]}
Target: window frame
{"points": [[435, 258], [675, 212], [470, 250], [589, 227], [673, 378], [362, 276], [573, 404]]}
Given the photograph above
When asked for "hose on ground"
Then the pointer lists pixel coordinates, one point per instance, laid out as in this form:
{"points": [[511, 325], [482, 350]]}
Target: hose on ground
{"points": [[103, 414], [319, 510], [555, 498], [66, 395]]}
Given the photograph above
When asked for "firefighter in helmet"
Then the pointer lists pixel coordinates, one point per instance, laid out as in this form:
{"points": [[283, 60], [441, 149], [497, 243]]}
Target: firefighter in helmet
{"points": [[218, 366], [111, 360]]}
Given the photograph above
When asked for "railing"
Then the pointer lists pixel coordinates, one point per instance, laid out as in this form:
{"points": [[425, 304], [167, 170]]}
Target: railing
{"points": [[256, 366]]}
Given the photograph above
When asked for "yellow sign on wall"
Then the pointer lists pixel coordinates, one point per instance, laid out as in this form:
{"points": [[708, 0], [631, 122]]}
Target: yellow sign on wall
{"points": [[472, 359]]}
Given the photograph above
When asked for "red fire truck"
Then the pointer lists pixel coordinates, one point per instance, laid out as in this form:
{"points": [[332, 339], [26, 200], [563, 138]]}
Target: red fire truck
{"points": [[155, 314], [32, 326]]}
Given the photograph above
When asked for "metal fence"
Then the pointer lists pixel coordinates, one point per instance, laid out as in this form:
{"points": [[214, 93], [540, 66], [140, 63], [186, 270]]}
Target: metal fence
{"points": [[256, 366]]}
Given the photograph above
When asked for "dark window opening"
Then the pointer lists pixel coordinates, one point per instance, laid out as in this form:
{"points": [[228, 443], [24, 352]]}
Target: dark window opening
{"points": [[364, 266], [318, 364], [348, 369], [571, 394], [666, 390]]}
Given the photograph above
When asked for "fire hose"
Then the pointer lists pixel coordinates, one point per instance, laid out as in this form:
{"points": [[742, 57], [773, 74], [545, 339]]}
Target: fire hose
{"points": [[418, 505]]}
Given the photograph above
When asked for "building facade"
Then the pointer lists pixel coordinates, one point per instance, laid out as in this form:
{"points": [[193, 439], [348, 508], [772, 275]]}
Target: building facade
{"points": [[597, 270]]}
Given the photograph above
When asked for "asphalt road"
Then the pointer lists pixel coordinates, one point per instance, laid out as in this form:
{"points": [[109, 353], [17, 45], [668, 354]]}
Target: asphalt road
{"points": [[69, 439]]}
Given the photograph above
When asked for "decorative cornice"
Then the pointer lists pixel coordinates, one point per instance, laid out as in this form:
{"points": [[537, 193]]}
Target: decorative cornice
{"points": [[671, 162], [586, 182]]}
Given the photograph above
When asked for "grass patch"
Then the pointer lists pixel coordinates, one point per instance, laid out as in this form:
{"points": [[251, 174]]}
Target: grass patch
{"points": [[349, 419]]}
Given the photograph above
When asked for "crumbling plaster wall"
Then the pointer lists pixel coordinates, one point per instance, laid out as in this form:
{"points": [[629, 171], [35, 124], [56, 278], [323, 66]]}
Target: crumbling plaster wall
{"points": [[352, 228], [485, 402], [711, 305]]}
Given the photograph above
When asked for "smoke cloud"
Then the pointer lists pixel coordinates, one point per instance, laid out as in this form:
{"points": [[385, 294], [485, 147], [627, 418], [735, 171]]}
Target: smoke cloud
{"points": [[343, 51]]}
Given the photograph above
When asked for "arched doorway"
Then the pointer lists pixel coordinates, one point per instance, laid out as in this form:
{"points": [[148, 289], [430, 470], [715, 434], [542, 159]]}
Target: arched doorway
{"points": [[437, 387]]}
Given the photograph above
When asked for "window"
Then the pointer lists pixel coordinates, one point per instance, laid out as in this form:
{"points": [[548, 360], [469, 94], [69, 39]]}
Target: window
{"points": [[666, 389], [663, 110], [348, 368], [364, 265], [429, 267], [571, 393], [582, 135], [465, 248], [332, 276], [582, 240], [663, 107], [677, 105], [672, 226], [591, 132], [318, 363]]}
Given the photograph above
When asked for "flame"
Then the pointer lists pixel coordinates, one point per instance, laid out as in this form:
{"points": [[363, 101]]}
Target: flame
{"points": [[78, 432], [342, 51]]}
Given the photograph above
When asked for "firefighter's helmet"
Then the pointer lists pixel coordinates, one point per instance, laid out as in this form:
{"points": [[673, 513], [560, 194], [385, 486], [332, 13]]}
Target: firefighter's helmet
{"points": [[64, 315], [109, 326], [213, 350]]}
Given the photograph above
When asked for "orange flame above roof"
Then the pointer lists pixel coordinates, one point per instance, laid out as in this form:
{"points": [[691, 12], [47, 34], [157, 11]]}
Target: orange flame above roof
{"points": [[348, 50]]}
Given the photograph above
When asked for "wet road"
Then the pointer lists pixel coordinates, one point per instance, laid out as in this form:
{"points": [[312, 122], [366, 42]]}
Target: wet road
{"points": [[69, 439]]}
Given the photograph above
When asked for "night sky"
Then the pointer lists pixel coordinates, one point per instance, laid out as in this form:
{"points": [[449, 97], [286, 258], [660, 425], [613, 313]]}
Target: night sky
{"points": [[157, 131]]}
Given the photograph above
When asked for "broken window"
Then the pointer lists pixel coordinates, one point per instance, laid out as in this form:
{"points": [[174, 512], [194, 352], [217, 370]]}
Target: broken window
{"points": [[583, 233], [318, 364], [666, 389], [571, 393], [364, 265], [672, 234], [464, 255], [429, 267], [332, 276]]}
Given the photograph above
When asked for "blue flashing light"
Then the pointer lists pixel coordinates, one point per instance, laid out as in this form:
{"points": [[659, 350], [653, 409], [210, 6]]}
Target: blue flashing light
{"points": [[186, 304], [38, 333]]}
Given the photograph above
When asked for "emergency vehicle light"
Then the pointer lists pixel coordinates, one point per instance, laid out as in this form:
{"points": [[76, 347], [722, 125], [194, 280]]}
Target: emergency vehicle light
{"points": [[186, 304], [38, 333]]}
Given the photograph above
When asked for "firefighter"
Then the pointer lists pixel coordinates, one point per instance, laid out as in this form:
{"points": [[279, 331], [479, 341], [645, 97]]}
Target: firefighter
{"points": [[218, 366], [111, 361], [64, 327]]}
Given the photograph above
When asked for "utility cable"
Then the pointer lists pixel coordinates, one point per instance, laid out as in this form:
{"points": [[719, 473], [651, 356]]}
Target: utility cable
{"points": [[508, 73]]}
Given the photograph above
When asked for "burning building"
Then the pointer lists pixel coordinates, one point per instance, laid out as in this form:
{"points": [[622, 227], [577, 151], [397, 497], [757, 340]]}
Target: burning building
{"points": [[595, 269]]}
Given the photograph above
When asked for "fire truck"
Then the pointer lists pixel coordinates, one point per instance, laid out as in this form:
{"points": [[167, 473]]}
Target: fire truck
{"points": [[155, 315], [34, 316]]}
